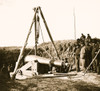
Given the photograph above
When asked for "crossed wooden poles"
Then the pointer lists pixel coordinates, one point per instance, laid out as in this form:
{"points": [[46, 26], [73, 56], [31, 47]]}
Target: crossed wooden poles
{"points": [[38, 9]]}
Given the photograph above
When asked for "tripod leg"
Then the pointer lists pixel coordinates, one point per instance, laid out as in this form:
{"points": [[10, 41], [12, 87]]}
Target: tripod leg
{"points": [[23, 48], [48, 31]]}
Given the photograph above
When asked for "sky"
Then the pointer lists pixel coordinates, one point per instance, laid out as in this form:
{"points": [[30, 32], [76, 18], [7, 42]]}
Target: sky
{"points": [[16, 17]]}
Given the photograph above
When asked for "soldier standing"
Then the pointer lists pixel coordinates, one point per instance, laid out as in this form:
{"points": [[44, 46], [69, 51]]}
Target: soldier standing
{"points": [[60, 51], [82, 56], [88, 52], [94, 50], [88, 38], [96, 64], [5, 72], [77, 57], [82, 38]]}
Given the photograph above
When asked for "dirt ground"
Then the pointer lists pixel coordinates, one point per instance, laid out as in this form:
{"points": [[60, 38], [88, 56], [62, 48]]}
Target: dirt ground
{"points": [[89, 82]]}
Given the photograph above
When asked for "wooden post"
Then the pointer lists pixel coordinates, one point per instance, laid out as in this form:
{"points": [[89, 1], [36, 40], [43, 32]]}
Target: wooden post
{"points": [[36, 30], [23, 48], [35, 34]]}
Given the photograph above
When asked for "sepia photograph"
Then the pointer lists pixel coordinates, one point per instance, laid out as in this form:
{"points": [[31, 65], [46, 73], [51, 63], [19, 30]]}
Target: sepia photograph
{"points": [[49, 45]]}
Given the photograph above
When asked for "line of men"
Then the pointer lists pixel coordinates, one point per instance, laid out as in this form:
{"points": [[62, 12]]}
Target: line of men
{"points": [[82, 52], [85, 51]]}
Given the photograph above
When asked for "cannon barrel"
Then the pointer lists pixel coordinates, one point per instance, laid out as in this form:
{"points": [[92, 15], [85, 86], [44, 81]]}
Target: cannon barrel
{"points": [[42, 60]]}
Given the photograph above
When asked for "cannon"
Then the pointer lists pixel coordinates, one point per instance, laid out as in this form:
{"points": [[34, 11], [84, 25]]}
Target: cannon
{"points": [[35, 64]]}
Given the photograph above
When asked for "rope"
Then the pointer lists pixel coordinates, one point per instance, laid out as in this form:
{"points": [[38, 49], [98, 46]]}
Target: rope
{"points": [[30, 51]]}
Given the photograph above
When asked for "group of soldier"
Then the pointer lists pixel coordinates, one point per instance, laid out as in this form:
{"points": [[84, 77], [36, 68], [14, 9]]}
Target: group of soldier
{"points": [[86, 51], [82, 53]]}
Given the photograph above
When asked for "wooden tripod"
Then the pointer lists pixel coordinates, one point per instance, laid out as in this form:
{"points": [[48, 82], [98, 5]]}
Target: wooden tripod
{"points": [[37, 10]]}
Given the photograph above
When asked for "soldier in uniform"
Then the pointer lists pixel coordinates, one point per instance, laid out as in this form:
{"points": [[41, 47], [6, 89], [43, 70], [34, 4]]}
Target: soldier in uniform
{"points": [[5, 72], [96, 63], [64, 48], [82, 56], [88, 53], [94, 50], [60, 51], [77, 57], [82, 38], [52, 68], [69, 50], [88, 38]]}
